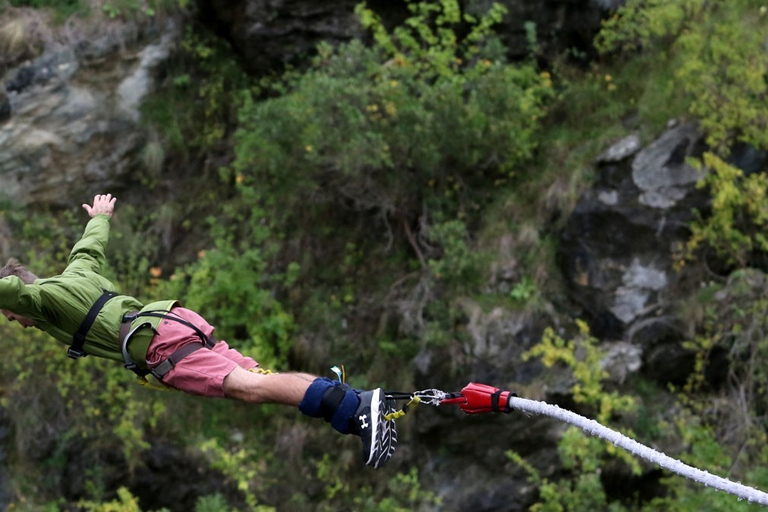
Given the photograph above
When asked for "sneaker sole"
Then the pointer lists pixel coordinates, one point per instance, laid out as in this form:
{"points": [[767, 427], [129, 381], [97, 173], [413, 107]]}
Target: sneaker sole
{"points": [[386, 439], [375, 420]]}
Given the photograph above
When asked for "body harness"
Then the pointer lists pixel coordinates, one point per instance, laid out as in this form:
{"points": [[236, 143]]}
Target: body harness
{"points": [[76, 351]]}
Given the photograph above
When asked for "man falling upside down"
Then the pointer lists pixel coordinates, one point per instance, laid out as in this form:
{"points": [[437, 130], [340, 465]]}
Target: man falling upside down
{"points": [[80, 308]]}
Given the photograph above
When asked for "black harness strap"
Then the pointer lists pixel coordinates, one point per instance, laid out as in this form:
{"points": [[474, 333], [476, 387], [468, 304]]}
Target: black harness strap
{"points": [[331, 400], [169, 315], [495, 401], [76, 351], [170, 363]]}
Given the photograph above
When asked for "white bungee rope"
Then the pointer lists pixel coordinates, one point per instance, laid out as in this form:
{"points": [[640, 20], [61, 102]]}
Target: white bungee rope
{"points": [[743, 492], [618, 439]]}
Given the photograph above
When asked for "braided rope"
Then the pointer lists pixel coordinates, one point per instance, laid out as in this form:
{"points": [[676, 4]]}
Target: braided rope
{"points": [[666, 462]]}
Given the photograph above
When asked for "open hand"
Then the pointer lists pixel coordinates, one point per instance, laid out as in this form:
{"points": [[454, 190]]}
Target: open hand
{"points": [[102, 204]]}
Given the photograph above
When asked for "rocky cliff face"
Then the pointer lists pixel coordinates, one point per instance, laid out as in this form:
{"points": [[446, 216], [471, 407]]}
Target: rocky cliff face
{"points": [[270, 33], [70, 117], [617, 248]]}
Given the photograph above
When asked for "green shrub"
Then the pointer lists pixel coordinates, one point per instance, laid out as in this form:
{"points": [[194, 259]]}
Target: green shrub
{"points": [[232, 286], [719, 55], [459, 264], [62, 9], [582, 455], [735, 227], [422, 119]]}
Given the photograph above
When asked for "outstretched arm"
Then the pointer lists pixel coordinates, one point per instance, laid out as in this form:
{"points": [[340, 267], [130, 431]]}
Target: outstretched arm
{"points": [[89, 252]]}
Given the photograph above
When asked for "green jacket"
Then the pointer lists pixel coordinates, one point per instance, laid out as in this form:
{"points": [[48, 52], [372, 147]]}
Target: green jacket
{"points": [[59, 304]]}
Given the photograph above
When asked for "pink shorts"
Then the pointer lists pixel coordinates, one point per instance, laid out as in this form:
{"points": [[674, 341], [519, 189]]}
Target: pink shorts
{"points": [[203, 371]]}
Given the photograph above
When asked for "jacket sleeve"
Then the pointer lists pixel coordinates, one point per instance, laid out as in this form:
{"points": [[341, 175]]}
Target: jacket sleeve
{"points": [[90, 252], [19, 298]]}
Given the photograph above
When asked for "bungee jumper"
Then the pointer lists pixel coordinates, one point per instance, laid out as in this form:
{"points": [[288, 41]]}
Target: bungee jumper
{"points": [[175, 345], [81, 308]]}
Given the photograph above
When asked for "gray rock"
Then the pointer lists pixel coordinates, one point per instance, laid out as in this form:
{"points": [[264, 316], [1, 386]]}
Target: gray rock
{"points": [[620, 150], [616, 247], [608, 197], [271, 33], [638, 282], [495, 342], [661, 172], [75, 128], [621, 359], [135, 87]]}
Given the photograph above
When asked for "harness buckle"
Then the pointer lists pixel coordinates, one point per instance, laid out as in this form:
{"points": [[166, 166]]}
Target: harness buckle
{"points": [[74, 353], [135, 369], [130, 317]]}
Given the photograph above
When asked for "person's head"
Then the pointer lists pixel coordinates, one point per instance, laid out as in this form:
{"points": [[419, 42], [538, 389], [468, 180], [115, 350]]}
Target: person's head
{"points": [[14, 268]]}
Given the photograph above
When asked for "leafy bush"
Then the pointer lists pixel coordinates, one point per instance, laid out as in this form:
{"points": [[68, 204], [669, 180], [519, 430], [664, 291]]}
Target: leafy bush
{"points": [[230, 286], [720, 59], [195, 109], [459, 265], [62, 8], [734, 229], [582, 455], [422, 119]]}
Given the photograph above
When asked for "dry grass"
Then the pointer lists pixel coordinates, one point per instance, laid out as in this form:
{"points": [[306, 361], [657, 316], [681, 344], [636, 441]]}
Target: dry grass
{"points": [[23, 34], [14, 37]]}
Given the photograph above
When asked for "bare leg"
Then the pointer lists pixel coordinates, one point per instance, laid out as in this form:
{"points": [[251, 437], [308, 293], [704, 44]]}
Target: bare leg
{"points": [[352, 412], [275, 388]]}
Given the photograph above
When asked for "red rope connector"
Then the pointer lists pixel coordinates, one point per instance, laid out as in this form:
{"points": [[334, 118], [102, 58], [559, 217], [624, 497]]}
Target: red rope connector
{"points": [[477, 398]]}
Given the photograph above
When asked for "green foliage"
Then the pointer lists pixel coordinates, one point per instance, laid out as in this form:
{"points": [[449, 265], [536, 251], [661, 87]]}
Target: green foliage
{"points": [[112, 9], [735, 227], [724, 430], [125, 502], [242, 466], [428, 42], [459, 264], [412, 136], [62, 9], [137, 9], [193, 111], [423, 117], [213, 503], [718, 434], [231, 284], [732, 319], [523, 290], [403, 493], [581, 454], [719, 54], [583, 356]]}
